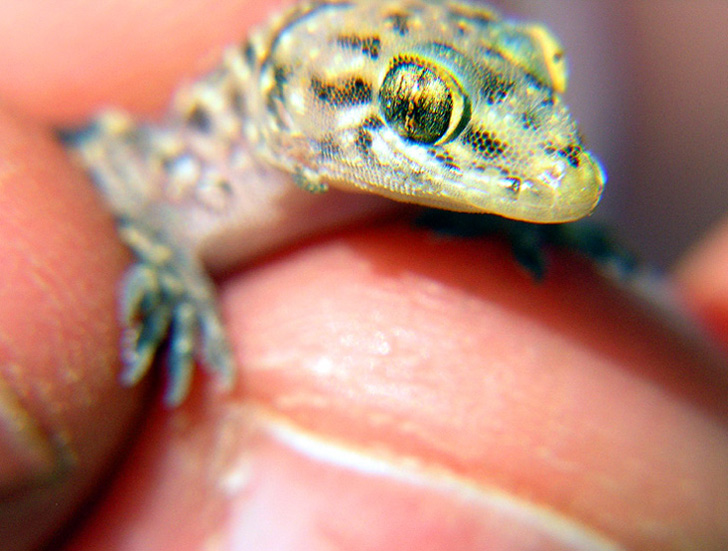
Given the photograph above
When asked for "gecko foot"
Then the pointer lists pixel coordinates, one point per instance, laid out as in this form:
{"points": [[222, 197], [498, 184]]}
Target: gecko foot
{"points": [[167, 297], [528, 241]]}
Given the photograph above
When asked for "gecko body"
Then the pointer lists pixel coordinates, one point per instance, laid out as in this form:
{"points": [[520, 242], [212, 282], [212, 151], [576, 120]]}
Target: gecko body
{"points": [[442, 104]]}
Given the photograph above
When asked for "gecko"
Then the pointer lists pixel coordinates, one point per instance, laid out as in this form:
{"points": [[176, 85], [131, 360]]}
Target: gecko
{"points": [[443, 104]]}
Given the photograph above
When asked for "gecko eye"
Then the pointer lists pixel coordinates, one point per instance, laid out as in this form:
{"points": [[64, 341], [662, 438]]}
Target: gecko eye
{"points": [[422, 102]]}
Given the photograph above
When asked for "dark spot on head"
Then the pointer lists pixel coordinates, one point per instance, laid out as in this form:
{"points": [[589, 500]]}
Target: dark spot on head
{"points": [[363, 141], [348, 91], [367, 45], [484, 142], [530, 120], [444, 158], [399, 22], [329, 149], [571, 153], [548, 101], [515, 186], [534, 82], [495, 88], [373, 123]]}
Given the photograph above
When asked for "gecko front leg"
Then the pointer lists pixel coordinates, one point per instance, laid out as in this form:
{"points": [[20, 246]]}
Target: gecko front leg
{"points": [[167, 294]]}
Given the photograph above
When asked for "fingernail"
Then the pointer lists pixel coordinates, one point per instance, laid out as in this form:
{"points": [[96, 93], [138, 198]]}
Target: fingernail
{"points": [[27, 455]]}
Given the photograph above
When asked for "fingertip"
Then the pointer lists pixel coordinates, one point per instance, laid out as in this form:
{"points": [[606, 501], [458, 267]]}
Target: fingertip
{"points": [[442, 350], [384, 362], [82, 57], [62, 412]]}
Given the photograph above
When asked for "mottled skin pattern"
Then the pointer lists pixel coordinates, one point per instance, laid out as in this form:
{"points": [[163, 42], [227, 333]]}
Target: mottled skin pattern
{"points": [[442, 104]]}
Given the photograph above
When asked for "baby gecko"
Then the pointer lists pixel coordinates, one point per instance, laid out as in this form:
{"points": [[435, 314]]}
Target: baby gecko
{"points": [[439, 103]]}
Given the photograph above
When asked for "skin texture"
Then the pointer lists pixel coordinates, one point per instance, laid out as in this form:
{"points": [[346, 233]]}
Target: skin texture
{"points": [[399, 391]]}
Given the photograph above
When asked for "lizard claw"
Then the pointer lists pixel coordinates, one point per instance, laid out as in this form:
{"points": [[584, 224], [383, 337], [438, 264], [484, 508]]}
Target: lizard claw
{"points": [[167, 297]]}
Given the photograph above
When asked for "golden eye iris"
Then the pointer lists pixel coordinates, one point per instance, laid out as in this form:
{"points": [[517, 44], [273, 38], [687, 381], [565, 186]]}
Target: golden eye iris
{"points": [[421, 103]]}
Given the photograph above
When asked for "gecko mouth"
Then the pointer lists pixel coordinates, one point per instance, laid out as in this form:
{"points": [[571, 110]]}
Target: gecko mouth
{"points": [[558, 193]]}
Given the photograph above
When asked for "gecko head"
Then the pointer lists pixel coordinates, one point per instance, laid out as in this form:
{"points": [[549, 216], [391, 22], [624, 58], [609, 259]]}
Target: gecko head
{"points": [[463, 111]]}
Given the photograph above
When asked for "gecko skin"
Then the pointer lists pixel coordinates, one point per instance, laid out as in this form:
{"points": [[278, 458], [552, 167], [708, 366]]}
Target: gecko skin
{"points": [[442, 104]]}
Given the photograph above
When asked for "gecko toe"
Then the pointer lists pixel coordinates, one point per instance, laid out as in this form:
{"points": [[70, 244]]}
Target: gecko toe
{"points": [[181, 354], [172, 303], [216, 351], [146, 320]]}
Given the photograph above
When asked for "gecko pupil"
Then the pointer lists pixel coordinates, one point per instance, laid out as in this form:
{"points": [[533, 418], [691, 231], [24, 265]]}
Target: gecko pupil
{"points": [[416, 103]]}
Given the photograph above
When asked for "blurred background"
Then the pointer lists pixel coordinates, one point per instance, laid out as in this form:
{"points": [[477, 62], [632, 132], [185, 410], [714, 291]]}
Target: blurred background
{"points": [[649, 86]]}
